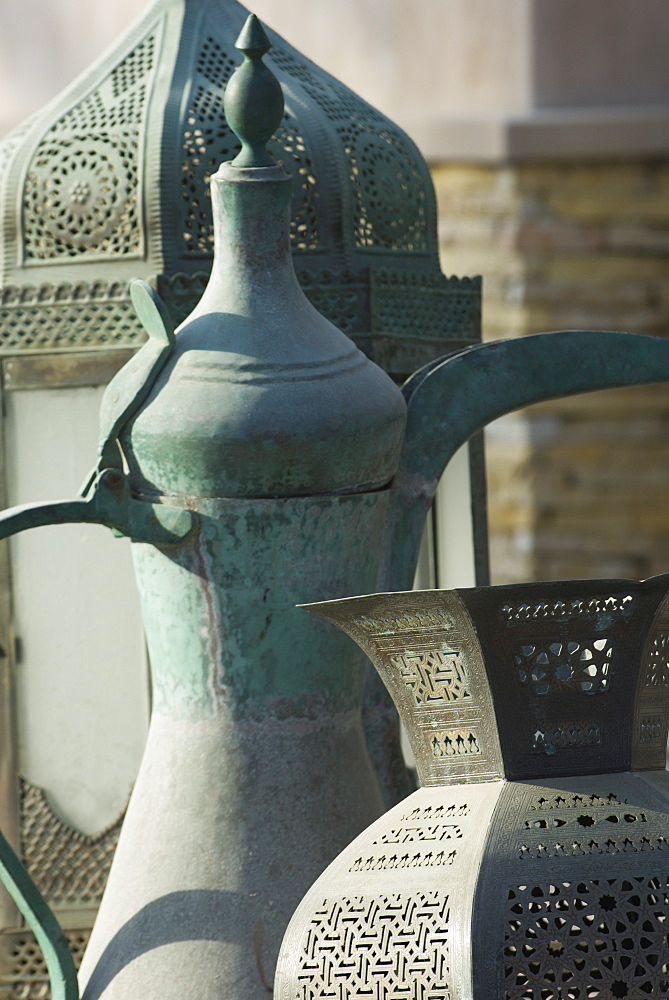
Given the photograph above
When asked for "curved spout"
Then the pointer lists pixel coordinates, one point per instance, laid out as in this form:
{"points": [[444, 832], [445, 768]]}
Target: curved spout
{"points": [[451, 400]]}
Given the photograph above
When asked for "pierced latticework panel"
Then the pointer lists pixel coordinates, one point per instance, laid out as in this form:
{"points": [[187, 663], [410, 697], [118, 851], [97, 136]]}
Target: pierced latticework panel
{"points": [[82, 190], [551, 667], [422, 837], [292, 151], [611, 605], [395, 945], [563, 660], [573, 890], [388, 208], [112, 180], [426, 302], [551, 737], [566, 896], [208, 142], [428, 656], [23, 972], [93, 315], [388, 918], [433, 676], [656, 673], [588, 939], [69, 868]]}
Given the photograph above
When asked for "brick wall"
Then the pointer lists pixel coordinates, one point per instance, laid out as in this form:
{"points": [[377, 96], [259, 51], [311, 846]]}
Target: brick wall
{"points": [[577, 487]]}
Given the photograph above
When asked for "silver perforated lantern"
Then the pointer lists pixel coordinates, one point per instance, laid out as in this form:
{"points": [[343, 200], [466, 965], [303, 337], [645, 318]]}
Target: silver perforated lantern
{"points": [[531, 864], [89, 199]]}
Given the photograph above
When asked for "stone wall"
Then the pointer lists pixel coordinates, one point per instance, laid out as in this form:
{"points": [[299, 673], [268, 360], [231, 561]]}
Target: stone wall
{"points": [[577, 487]]}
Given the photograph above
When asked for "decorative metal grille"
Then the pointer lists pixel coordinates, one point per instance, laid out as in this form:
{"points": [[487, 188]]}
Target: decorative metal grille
{"points": [[69, 868], [588, 940], [394, 945], [82, 188]]}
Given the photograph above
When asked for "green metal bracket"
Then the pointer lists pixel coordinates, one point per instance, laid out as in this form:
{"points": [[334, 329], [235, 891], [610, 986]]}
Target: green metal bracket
{"points": [[111, 503]]}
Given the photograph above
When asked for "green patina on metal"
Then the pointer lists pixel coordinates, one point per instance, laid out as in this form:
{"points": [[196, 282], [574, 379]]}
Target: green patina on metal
{"points": [[450, 400], [239, 640], [108, 501], [43, 924], [106, 496], [253, 85]]}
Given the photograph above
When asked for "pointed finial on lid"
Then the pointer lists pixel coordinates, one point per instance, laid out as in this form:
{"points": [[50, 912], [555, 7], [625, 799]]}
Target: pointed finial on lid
{"points": [[253, 98], [253, 37]]}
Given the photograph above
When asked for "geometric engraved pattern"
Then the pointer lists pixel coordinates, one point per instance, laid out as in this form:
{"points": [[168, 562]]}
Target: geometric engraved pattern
{"points": [[565, 666], [578, 825], [588, 940], [207, 142], [433, 676], [567, 800], [387, 188], [436, 812], [431, 302], [591, 832], [561, 735], [389, 209], [578, 608], [69, 868], [455, 743], [651, 708], [389, 947], [404, 621], [376, 863], [421, 834], [578, 848], [23, 971], [341, 295], [650, 728], [657, 669], [50, 317], [586, 820], [81, 191], [290, 150], [81, 197]]}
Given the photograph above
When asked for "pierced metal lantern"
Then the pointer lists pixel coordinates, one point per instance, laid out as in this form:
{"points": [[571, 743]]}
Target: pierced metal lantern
{"points": [[532, 862], [88, 199]]}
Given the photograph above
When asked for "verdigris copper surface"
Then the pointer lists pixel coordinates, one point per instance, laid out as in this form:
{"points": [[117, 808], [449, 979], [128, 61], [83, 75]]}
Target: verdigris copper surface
{"points": [[271, 427], [531, 864]]}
